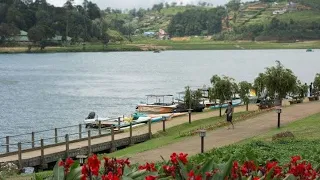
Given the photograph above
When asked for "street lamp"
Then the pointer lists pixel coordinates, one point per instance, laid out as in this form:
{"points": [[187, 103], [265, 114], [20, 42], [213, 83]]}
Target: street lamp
{"points": [[164, 118], [81, 159], [189, 112], [202, 134], [278, 110]]}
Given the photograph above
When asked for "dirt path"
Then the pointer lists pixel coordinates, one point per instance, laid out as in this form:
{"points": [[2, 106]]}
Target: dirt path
{"points": [[222, 137]]}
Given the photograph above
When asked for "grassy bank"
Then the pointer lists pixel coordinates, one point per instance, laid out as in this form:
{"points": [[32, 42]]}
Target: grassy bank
{"points": [[149, 44], [181, 132], [261, 148]]}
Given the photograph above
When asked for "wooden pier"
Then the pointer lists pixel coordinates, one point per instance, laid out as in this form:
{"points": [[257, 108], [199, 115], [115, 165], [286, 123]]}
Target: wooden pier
{"points": [[37, 154]]}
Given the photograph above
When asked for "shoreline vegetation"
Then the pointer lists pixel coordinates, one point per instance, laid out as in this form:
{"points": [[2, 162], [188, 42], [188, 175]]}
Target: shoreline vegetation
{"points": [[165, 45]]}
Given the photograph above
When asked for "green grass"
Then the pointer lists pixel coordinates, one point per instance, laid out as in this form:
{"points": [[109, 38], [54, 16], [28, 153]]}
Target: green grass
{"points": [[171, 135], [261, 149], [307, 128], [193, 44]]}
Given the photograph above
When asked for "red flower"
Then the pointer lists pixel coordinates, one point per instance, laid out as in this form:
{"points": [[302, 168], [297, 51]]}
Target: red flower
{"points": [[182, 157], [234, 170], [94, 164], [110, 176], [84, 172], [66, 165], [61, 163], [256, 178], [192, 176], [148, 167], [277, 170], [247, 168], [294, 159], [303, 171], [150, 178]]}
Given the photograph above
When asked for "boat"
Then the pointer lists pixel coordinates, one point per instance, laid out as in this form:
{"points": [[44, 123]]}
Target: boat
{"points": [[157, 107], [309, 50], [235, 102], [135, 119], [156, 51], [167, 115], [124, 121]]}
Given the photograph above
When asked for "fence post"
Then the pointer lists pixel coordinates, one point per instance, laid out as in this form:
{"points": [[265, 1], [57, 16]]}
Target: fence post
{"points": [[56, 135], [119, 123], [113, 148], [150, 133], [99, 128], [42, 152], [80, 131], [130, 136], [20, 155], [32, 139], [67, 145], [7, 143], [89, 142]]}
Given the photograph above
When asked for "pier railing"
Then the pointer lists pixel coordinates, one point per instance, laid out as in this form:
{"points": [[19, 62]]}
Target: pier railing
{"points": [[52, 136]]}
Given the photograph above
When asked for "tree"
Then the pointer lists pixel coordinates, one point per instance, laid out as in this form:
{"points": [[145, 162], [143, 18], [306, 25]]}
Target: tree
{"points": [[37, 35], [93, 11], [259, 84], [316, 83], [192, 98], [279, 81], [234, 5], [7, 31], [222, 88], [244, 88]]}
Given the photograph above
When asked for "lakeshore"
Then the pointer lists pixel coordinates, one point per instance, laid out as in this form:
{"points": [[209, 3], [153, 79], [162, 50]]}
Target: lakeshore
{"points": [[165, 45]]}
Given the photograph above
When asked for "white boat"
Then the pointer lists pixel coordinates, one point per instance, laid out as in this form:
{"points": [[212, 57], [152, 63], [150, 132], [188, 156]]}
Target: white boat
{"points": [[158, 106]]}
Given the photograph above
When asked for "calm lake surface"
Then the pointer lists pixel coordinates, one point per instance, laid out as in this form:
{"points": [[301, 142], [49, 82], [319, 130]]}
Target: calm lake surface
{"points": [[44, 91]]}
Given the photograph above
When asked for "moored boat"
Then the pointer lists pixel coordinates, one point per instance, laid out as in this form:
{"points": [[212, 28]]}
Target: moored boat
{"points": [[235, 102], [157, 107]]}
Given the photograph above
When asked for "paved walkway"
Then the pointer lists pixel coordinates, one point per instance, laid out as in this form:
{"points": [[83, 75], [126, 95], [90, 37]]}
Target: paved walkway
{"points": [[221, 137], [137, 131]]}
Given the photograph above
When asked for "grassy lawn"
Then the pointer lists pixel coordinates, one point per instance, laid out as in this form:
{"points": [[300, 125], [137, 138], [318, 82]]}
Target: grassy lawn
{"points": [[304, 129]]}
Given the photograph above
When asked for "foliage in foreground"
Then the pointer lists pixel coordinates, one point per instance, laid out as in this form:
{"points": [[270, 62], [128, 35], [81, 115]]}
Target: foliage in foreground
{"points": [[264, 151], [245, 166]]}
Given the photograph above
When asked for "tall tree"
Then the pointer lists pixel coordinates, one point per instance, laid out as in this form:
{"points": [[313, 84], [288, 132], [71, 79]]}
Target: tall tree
{"points": [[279, 81], [222, 88], [316, 82], [244, 88]]}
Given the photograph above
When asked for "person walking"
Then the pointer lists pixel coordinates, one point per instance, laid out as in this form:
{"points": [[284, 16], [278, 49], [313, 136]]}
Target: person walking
{"points": [[229, 112]]}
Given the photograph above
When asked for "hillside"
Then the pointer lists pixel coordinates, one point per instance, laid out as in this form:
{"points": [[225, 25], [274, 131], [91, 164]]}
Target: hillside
{"points": [[38, 23], [304, 13]]}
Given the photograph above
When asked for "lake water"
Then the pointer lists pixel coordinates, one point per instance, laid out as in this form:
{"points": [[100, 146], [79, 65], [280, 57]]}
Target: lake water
{"points": [[44, 91]]}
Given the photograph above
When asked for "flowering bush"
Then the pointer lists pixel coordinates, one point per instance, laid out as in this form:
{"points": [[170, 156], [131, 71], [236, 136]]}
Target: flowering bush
{"points": [[178, 167]]}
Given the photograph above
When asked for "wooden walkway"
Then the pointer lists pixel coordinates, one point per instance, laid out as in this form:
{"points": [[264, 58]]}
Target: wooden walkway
{"points": [[51, 153]]}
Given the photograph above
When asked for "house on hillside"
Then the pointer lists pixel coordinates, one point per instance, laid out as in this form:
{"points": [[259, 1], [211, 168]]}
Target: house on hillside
{"points": [[281, 11], [292, 6], [58, 39], [163, 35], [21, 38], [149, 34]]}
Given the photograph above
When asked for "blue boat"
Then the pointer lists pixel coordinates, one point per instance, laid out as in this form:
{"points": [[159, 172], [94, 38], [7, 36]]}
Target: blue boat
{"points": [[235, 102]]}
